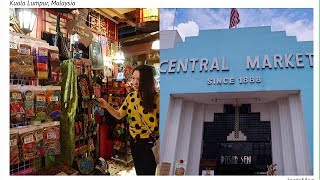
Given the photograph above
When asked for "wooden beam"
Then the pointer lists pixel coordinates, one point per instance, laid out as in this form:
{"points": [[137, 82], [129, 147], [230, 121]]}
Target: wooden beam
{"points": [[122, 17]]}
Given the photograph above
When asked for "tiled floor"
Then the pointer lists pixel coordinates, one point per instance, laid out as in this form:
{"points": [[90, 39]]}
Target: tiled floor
{"points": [[121, 169]]}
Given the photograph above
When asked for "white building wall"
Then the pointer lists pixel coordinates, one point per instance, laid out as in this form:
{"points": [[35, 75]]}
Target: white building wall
{"points": [[299, 136], [170, 137], [288, 151], [187, 115], [169, 39], [276, 142], [195, 140]]}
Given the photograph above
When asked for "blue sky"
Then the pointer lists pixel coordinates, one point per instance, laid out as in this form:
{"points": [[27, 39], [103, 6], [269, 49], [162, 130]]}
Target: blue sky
{"points": [[296, 22]]}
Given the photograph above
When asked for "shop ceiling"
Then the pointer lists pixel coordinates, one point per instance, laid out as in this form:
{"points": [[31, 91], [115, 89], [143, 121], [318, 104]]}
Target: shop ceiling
{"points": [[135, 38], [130, 32]]}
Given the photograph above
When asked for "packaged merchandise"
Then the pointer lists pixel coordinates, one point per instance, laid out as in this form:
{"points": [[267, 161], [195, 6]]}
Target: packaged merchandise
{"points": [[38, 134], [42, 67], [29, 104], [17, 111], [14, 148], [55, 67], [25, 48], [27, 143], [51, 138], [41, 106], [53, 104]]}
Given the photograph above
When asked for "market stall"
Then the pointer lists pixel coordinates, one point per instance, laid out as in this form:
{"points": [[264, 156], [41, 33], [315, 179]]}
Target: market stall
{"points": [[55, 71]]}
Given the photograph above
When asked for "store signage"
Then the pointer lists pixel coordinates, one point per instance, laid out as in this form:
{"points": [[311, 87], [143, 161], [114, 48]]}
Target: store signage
{"points": [[204, 65], [235, 160], [153, 56], [83, 30], [274, 62]]}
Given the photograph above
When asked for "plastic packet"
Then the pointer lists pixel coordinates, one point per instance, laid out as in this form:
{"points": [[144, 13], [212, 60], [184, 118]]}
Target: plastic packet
{"points": [[51, 138], [27, 143], [14, 148], [29, 104], [17, 111], [53, 104], [40, 106], [27, 67]]}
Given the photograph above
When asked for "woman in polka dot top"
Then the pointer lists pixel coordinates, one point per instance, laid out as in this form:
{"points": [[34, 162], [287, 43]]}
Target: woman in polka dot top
{"points": [[140, 105]]}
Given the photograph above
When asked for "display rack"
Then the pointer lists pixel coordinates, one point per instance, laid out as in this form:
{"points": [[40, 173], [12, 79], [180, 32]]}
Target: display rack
{"points": [[116, 96], [22, 83]]}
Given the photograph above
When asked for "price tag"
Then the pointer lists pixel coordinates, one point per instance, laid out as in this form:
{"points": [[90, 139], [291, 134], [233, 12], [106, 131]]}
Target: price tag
{"points": [[41, 98], [28, 139], [29, 97], [13, 142], [51, 135], [13, 46], [54, 98], [25, 51], [43, 52], [16, 96], [39, 137], [54, 55]]}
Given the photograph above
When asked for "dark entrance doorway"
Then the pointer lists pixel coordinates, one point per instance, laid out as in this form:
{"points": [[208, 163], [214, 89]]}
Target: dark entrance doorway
{"points": [[248, 157]]}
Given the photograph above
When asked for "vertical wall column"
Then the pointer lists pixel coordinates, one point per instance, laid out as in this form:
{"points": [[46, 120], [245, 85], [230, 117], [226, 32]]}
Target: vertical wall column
{"points": [[288, 152], [196, 140], [170, 136], [182, 148], [299, 136], [276, 137]]}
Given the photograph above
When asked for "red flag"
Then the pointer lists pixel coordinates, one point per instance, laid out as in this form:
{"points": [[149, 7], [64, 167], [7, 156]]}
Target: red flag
{"points": [[234, 18]]}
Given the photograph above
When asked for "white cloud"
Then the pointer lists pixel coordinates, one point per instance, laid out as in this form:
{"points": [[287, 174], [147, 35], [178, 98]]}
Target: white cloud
{"points": [[293, 23], [302, 29], [188, 29], [166, 19]]}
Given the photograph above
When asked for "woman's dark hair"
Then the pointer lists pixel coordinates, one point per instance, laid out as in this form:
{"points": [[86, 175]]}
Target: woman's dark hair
{"points": [[146, 86]]}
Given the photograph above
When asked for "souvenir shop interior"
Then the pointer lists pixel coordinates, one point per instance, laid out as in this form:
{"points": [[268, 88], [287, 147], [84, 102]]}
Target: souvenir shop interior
{"points": [[60, 59]]}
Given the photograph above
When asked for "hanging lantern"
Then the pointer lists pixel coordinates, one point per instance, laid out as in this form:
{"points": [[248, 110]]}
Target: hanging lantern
{"points": [[156, 45], [148, 20], [119, 56], [26, 18]]}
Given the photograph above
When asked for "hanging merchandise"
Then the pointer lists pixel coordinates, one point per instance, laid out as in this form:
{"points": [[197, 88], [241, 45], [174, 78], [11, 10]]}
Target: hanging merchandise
{"points": [[51, 138], [14, 48], [95, 54], [53, 104], [55, 64], [42, 67], [97, 90], [14, 65], [17, 111], [41, 106], [27, 143], [24, 47], [83, 81], [128, 70], [85, 165], [38, 134], [14, 149], [26, 66], [29, 104], [69, 100]]}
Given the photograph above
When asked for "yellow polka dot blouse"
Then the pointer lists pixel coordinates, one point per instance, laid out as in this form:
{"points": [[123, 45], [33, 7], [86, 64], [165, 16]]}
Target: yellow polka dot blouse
{"points": [[132, 107]]}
